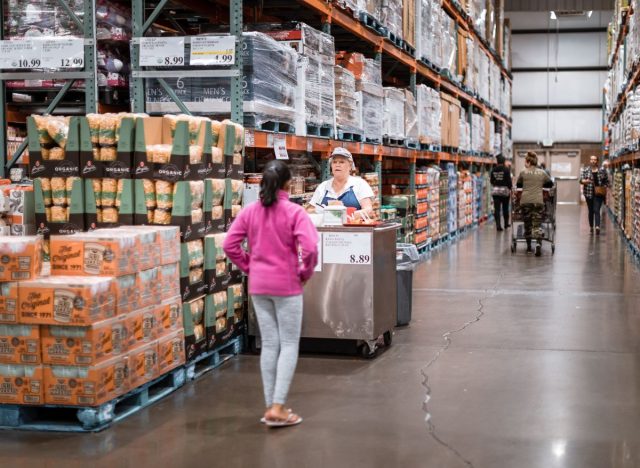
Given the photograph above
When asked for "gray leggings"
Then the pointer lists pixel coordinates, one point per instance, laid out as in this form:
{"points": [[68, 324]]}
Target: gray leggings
{"points": [[280, 321]]}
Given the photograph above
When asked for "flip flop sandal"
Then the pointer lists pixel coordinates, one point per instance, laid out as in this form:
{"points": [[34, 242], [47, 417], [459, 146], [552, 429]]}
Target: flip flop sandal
{"points": [[292, 420], [263, 420]]}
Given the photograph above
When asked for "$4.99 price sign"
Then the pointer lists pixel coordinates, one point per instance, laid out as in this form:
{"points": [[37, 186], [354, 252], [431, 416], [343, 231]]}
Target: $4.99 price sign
{"points": [[346, 248]]}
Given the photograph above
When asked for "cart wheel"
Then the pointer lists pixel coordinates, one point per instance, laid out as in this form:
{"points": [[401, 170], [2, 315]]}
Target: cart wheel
{"points": [[513, 247], [388, 338], [553, 249], [365, 351]]}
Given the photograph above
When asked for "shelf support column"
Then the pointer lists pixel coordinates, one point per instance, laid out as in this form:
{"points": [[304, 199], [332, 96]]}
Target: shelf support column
{"points": [[378, 167], [138, 97], [237, 108], [90, 59]]}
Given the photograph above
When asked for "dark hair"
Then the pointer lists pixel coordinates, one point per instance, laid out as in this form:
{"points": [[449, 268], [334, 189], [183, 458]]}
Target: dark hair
{"points": [[532, 158], [500, 159], [274, 177]]}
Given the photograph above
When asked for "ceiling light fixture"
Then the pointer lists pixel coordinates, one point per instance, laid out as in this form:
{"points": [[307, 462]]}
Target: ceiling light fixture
{"points": [[589, 13], [553, 15]]}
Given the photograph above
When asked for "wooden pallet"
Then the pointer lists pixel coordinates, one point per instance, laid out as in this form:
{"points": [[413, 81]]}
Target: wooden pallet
{"points": [[350, 136], [373, 23], [275, 126], [215, 358], [57, 418], [324, 131]]}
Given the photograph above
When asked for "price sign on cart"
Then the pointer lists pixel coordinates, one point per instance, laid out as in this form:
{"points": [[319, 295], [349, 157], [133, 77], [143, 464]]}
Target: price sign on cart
{"points": [[213, 50], [162, 51], [347, 248]]}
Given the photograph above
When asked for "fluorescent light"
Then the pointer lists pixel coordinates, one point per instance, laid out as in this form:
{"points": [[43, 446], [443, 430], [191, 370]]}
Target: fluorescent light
{"points": [[589, 13], [553, 15]]}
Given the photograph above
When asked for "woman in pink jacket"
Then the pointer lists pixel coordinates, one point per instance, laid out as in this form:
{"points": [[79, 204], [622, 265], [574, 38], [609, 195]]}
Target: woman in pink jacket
{"points": [[281, 257]]}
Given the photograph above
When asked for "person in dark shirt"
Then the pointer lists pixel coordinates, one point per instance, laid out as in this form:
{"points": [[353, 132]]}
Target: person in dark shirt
{"points": [[501, 191]]}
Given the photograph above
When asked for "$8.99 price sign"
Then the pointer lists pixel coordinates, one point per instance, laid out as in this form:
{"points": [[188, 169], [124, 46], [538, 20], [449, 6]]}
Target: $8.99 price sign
{"points": [[162, 51]]}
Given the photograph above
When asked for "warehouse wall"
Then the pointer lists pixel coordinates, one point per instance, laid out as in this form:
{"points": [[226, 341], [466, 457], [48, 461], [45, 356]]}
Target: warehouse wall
{"points": [[558, 76]]}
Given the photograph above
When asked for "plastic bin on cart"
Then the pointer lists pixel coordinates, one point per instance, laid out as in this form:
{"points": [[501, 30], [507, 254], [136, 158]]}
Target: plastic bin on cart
{"points": [[407, 258]]}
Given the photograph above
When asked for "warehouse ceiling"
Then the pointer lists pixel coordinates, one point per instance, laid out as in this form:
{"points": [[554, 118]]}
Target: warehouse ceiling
{"points": [[557, 5]]}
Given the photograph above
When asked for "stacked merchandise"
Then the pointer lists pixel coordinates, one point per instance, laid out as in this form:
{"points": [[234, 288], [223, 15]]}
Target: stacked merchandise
{"points": [[391, 16], [188, 174], [106, 322], [429, 116], [451, 113], [465, 132], [422, 207], [433, 199], [465, 199], [625, 133], [627, 227], [479, 133], [478, 191], [372, 7], [405, 211], [477, 10], [17, 211], [411, 129], [394, 110], [635, 194], [15, 138], [618, 195], [347, 103], [487, 199], [373, 179], [444, 203], [368, 75], [452, 199], [315, 81], [436, 36], [269, 90], [50, 20]]}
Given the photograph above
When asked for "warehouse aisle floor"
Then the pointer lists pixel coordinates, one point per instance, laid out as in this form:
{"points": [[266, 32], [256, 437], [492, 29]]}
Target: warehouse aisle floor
{"points": [[548, 377]]}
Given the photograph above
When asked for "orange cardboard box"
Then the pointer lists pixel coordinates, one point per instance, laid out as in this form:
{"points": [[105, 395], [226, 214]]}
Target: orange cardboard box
{"points": [[20, 344], [169, 316], [66, 300], [127, 297], [169, 281], [21, 385], [20, 257], [141, 327], [83, 346], [104, 252], [143, 364], [166, 243], [9, 303], [86, 386], [171, 351], [148, 285], [149, 253]]}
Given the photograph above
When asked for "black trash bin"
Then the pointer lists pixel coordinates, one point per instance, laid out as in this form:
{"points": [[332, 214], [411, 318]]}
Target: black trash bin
{"points": [[407, 258]]}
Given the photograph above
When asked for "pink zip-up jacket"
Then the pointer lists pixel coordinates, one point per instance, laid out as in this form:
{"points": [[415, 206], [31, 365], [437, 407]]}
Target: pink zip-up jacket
{"points": [[274, 235]]}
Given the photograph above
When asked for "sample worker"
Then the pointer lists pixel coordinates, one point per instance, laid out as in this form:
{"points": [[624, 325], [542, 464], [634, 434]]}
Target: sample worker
{"points": [[343, 188], [532, 180]]}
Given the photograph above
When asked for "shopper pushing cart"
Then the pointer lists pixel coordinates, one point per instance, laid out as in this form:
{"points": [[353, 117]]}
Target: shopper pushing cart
{"points": [[533, 214]]}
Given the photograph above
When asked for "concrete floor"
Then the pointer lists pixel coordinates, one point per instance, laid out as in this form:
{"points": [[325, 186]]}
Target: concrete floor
{"points": [[548, 377]]}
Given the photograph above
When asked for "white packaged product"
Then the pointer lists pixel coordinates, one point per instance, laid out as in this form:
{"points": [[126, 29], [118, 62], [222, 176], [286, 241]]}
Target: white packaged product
{"points": [[394, 113]]}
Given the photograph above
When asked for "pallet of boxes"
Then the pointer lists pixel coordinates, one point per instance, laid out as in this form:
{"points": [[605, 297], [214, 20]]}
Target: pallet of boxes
{"points": [[188, 172]]}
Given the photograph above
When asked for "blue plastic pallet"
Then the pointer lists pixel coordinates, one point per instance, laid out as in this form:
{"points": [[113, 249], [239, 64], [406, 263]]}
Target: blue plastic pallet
{"points": [[215, 358], [56, 418]]}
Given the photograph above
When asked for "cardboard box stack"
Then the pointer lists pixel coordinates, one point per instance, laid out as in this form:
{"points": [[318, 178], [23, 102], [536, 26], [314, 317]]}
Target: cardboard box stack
{"points": [[368, 75], [17, 210], [108, 319], [452, 199], [373, 179], [429, 116], [451, 112], [348, 102], [394, 108], [392, 12], [465, 199], [315, 81]]}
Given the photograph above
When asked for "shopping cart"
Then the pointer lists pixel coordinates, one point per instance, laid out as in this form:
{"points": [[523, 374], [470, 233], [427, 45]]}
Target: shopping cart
{"points": [[548, 224]]}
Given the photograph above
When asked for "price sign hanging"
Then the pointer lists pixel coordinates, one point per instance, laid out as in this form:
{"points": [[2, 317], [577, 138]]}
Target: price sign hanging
{"points": [[63, 53], [280, 147], [20, 54], [213, 50], [162, 51]]}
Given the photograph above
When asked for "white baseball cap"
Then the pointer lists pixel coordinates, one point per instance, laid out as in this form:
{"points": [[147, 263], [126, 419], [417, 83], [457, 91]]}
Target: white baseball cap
{"points": [[343, 153]]}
